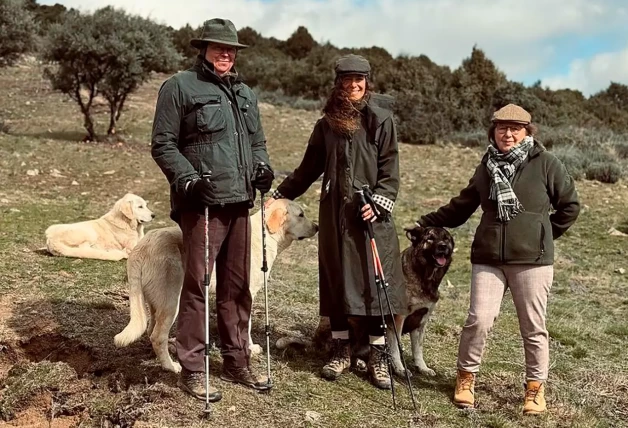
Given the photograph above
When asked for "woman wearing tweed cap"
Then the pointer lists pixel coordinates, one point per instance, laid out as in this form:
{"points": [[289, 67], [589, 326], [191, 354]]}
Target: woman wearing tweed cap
{"points": [[352, 145], [516, 184]]}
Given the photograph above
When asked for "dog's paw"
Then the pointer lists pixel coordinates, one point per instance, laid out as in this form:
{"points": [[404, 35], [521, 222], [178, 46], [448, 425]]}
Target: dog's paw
{"points": [[401, 372], [255, 349], [359, 364], [176, 367], [426, 371], [172, 346]]}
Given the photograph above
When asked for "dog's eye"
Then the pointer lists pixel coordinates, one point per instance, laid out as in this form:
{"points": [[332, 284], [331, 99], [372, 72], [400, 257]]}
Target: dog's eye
{"points": [[301, 215]]}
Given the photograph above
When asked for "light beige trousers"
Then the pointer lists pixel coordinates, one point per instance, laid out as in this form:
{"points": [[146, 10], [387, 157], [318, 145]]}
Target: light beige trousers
{"points": [[529, 286]]}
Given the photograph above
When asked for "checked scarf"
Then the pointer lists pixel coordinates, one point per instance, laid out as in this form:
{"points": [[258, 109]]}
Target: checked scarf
{"points": [[501, 167]]}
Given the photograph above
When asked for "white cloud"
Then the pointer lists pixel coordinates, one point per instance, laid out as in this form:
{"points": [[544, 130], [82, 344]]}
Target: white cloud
{"points": [[516, 35], [593, 74]]}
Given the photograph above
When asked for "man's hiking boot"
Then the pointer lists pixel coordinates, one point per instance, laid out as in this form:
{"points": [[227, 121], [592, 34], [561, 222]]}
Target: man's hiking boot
{"points": [[194, 384]]}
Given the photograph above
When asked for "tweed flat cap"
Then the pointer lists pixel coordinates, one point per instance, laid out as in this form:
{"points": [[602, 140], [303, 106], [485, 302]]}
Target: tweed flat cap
{"points": [[512, 113], [352, 64]]}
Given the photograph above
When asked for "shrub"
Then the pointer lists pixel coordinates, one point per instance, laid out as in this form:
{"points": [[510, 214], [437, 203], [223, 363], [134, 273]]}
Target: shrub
{"points": [[469, 139], [605, 172], [278, 98], [573, 158], [621, 149], [109, 53], [4, 128], [17, 31]]}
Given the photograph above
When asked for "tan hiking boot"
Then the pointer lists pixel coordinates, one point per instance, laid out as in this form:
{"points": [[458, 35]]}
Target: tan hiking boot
{"points": [[378, 367], [464, 397], [245, 376], [534, 403], [194, 384], [340, 359]]}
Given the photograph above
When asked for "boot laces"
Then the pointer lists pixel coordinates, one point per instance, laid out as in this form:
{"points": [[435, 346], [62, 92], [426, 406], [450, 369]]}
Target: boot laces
{"points": [[531, 393], [380, 363], [340, 351], [465, 383]]}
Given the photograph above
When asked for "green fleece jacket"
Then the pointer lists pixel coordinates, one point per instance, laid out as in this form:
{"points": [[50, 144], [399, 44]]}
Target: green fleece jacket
{"points": [[541, 183]]}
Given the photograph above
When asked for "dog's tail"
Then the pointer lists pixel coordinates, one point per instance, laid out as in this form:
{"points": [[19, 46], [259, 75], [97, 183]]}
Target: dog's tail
{"points": [[137, 324], [284, 342]]}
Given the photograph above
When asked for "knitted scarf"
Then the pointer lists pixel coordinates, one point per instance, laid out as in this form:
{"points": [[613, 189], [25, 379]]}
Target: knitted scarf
{"points": [[501, 168]]}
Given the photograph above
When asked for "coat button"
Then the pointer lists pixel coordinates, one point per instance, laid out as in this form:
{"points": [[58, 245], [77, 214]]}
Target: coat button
{"points": [[347, 169], [235, 133], [346, 198]]}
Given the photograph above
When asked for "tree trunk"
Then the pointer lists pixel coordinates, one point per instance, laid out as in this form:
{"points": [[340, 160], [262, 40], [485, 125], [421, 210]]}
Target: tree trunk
{"points": [[112, 118], [120, 106], [89, 126], [85, 109]]}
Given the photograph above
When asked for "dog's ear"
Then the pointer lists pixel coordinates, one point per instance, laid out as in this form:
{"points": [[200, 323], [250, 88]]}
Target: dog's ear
{"points": [[126, 208], [415, 233], [276, 219]]}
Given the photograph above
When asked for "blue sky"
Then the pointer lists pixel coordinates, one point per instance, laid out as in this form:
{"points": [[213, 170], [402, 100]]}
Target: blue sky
{"points": [[578, 44]]}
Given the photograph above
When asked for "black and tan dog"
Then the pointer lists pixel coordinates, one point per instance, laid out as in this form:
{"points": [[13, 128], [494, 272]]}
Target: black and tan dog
{"points": [[425, 263]]}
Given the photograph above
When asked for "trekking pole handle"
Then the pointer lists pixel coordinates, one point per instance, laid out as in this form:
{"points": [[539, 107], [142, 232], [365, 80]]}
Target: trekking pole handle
{"points": [[363, 202]]}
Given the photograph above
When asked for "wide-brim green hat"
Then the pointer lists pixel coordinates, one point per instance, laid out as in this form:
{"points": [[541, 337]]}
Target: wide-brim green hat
{"points": [[219, 31]]}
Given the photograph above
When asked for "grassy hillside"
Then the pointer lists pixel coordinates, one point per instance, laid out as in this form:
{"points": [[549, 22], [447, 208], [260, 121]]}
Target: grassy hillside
{"points": [[58, 365]]}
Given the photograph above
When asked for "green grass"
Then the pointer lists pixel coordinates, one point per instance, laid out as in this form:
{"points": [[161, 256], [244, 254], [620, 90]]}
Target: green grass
{"points": [[85, 301]]}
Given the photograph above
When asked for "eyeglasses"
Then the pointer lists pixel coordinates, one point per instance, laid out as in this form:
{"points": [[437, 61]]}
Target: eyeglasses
{"points": [[515, 129], [230, 50]]}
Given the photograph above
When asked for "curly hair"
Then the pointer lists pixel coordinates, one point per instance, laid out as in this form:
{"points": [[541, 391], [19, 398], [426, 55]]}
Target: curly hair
{"points": [[343, 114]]}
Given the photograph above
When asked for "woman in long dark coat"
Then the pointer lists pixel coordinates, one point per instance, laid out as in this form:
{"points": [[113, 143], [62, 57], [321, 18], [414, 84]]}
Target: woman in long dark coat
{"points": [[352, 145]]}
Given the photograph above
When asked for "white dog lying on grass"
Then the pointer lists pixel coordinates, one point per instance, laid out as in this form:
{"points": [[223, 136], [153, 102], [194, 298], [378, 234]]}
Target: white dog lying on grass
{"points": [[110, 237]]}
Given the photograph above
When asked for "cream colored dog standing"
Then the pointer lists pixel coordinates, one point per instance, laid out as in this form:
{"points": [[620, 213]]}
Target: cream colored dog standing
{"points": [[110, 237], [155, 274]]}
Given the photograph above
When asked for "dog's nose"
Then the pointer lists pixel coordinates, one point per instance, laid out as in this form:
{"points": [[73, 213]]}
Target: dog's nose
{"points": [[441, 246]]}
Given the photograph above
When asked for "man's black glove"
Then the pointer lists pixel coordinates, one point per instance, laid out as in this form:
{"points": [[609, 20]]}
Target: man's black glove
{"points": [[201, 191], [263, 178]]}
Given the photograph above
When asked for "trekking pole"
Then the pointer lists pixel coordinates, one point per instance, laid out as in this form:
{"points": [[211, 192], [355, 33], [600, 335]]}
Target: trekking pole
{"points": [[265, 270], [381, 283], [207, 411]]}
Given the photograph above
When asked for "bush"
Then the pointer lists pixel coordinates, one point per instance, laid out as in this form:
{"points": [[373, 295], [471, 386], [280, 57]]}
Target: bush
{"points": [[621, 149], [278, 98], [4, 128], [554, 137], [573, 158], [605, 172], [469, 139], [108, 53], [17, 31]]}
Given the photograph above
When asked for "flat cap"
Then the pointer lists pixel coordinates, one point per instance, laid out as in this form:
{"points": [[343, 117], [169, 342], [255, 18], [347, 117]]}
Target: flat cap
{"points": [[512, 113], [352, 64]]}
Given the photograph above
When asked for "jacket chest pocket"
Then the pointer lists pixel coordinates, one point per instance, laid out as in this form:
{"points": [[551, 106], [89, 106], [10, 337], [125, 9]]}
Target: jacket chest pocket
{"points": [[250, 113], [210, 117]]}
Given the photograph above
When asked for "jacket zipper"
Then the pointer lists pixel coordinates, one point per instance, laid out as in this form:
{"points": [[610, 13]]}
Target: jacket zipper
{"points": [[542, 245], [503, 249], [239, 130], [503, 225]]}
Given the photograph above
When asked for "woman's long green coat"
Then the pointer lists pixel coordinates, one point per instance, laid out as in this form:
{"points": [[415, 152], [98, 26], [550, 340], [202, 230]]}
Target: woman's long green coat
{"points": [[346, 274]]}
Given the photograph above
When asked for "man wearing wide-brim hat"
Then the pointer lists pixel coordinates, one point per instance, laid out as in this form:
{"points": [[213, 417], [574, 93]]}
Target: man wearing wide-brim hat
{"points": [[209, 142]]}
